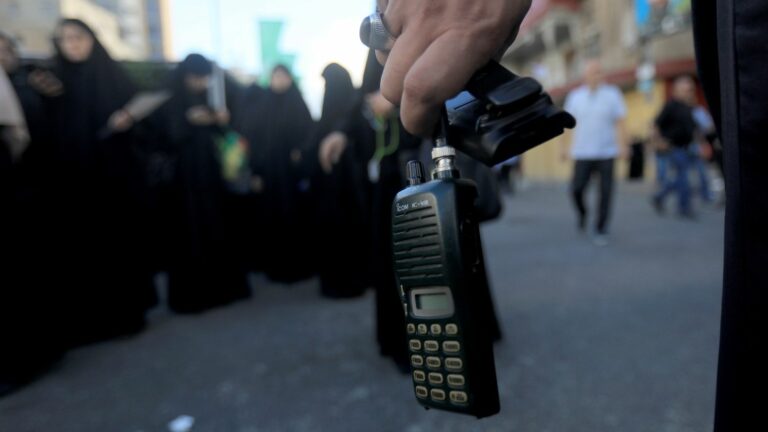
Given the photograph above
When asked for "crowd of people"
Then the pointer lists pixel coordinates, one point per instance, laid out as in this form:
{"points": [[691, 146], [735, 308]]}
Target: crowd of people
{"points": [[211, 181], [683, 138], [99, 196]]}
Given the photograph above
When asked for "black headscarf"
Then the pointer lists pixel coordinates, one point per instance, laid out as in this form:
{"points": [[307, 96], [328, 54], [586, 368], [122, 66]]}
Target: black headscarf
{"points": [[339, 98]]}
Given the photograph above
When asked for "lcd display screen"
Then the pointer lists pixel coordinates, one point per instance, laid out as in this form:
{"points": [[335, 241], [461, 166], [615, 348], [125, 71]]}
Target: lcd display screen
{"points": [[433, 302]]}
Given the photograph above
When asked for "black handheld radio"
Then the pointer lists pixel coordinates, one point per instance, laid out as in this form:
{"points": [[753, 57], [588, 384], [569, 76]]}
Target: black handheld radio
{"points": [[438, 253]]}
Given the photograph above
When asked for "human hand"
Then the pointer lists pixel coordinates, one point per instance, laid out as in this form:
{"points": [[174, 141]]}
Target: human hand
{"points": [[120, 121], [200, 115], [257, 184], [222, 117], [46, 83], [296, 156], [331, 149], [438, 46]]}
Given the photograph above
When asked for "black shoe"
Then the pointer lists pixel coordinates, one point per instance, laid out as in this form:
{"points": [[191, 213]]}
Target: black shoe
{"points": [[581, 224]]}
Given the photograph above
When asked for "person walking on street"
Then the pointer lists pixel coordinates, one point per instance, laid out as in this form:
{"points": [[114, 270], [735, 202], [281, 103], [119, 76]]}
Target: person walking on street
{"points": [[676, 129], [598, 139]]}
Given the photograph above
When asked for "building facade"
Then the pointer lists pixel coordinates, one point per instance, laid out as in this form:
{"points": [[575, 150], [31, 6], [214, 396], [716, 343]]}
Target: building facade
{"points": [[642, 45], [129, 29]]}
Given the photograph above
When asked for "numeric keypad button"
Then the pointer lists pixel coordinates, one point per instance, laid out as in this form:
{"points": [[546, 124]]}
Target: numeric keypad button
{"points": [[437, 394], [431, 346], [435, 378], [422, 392], [451, 347], [435, 330], [419, 376], [456, 381], [434, 362], [451, 329], [454, 364], [459, 397]]}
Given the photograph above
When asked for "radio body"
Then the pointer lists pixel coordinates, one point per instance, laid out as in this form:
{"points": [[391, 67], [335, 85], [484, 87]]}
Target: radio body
{"points": [[438, 253], [441, 276]]}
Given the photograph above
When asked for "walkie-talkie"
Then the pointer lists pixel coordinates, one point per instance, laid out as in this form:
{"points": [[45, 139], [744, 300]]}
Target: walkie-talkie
{"points": [[438, 254]]}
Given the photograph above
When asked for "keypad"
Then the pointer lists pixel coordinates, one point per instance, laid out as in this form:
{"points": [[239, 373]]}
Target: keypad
{"points": [[437, 371]]}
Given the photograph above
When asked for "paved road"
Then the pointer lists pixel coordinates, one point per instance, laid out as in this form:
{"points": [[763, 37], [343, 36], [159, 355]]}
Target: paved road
{"points": [[621, 338]]}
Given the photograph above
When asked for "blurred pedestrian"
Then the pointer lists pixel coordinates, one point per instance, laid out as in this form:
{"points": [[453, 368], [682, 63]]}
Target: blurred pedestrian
{"points": [[286, 181], [97, 180], [250, 120], [599, 138], [676, 133], [29, 315], [205, 270], [378, 137], [340, 202]]}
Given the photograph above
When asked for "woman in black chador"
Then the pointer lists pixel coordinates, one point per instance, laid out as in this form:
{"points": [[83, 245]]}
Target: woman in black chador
{"points": [[340, 196], [97, 184], [284, 165], [30, 300], [204, 268], [377, 140]]}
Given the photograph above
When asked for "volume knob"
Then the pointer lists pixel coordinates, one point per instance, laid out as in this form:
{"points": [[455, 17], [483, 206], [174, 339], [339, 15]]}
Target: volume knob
{"points": [[415, 173]]}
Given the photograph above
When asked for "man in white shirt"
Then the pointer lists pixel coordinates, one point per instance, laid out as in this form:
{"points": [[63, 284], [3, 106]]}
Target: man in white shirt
{"points": [[599, 137]]}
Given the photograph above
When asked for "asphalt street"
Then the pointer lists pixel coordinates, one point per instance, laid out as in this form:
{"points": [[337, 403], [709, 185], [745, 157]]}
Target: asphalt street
{"points": [[617, 338]]}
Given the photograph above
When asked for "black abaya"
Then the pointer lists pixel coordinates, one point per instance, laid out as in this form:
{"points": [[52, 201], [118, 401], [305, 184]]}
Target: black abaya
{"points": [[339, 205], [30, 300], [98, 185], [204, 267], [289, 238]]}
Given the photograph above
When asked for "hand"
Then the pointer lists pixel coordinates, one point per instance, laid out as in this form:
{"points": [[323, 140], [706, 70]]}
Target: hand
{"points": [[46, 83], [257, 184], [222, 117], [200, 116], [120, 121], [331, 149], [17, 141], [439, 45], [295, 156]]}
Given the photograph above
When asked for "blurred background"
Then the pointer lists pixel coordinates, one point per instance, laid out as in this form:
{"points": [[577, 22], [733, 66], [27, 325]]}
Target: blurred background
{"points": [[196, 196]]}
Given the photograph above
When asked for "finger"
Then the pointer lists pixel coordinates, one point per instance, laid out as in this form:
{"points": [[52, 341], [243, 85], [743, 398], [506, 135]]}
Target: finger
{"points": [[404, 54], [439, 74]]}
